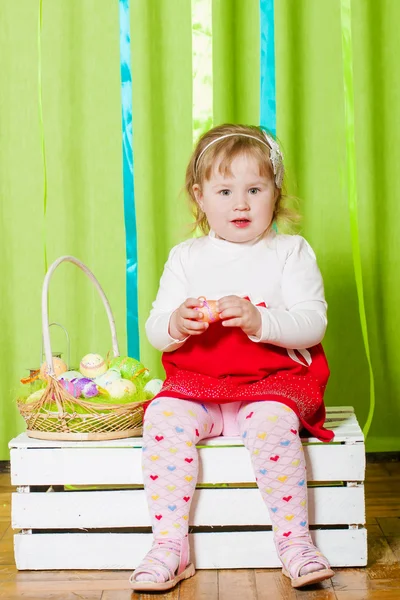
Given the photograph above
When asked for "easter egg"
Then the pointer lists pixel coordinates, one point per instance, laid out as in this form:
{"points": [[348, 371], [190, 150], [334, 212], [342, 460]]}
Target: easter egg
{"points": [[35, 396], [70, 375], [209, 310], [130, 368], [120, 388], [92, 365], [48, 405], [68, 386], [59, 367], [108, 377], [87, 388], [153, 386], [80, 387]]}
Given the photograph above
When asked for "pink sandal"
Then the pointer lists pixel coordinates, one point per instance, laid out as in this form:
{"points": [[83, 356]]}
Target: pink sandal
{"points": [[297, 553], [154, 566]]}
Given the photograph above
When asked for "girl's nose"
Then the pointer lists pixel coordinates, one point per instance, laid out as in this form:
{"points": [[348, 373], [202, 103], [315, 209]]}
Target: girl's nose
{"points": [[241, 202]]}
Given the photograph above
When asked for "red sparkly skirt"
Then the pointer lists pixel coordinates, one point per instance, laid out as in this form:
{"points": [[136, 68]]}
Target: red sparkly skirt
{"points": [[223, 365]]}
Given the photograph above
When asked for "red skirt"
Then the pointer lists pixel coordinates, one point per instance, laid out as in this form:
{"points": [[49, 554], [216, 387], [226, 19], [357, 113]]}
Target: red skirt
{"points": [[223, 365]]}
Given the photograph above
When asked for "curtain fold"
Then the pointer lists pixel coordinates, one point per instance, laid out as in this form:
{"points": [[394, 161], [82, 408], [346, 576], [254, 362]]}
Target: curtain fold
{"points": [[236, 61], [161, 42], [82, 127], [311, 122]]}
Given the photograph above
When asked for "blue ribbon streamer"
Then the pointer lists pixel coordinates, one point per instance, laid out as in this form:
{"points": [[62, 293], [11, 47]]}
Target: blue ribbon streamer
{"points": [[267, 69], [129, 191], [267, 66]]}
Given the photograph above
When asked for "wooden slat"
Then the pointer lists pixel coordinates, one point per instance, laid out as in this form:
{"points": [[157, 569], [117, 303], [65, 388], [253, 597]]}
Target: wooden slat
{"points": [[74, 510], [344, 432], [85, 466], [209, 550], [336, 417], [339, 418]]}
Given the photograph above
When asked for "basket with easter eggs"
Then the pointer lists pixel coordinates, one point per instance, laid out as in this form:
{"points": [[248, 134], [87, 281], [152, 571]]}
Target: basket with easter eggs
{"points": [[101, 400]]}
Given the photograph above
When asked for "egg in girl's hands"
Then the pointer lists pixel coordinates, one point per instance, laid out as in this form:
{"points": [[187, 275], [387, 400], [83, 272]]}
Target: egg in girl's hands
{"points": [[209, 310]]}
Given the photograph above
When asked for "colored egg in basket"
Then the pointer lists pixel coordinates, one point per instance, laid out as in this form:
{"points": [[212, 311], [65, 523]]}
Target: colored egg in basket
{"points": [[69, 375], [130, 368], [92, 365], [108, 377], [35, 396], [153, 386], [59, 367], [81, 387], [121, 388]]}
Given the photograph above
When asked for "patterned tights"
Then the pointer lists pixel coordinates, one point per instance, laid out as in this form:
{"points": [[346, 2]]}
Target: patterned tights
{"points": [[270, 432]]}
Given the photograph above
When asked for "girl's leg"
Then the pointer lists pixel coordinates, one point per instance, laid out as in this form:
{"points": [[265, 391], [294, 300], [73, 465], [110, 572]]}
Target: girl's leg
{"points": [[171, 430], [270, 431]]}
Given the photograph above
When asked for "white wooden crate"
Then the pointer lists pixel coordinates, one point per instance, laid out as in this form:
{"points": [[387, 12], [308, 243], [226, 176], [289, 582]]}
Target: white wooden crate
{"points": [[102, 528]]}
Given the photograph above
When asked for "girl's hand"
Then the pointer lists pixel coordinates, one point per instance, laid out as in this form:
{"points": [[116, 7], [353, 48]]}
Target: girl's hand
{"points": [[185, 320], [237, 312]]}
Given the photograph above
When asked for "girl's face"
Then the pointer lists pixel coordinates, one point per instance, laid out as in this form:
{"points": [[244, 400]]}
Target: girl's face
{"points": [[238, 208]]}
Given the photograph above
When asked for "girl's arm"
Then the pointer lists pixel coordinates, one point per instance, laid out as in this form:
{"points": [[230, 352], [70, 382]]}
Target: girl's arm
{"points": [[171, 294], [303, 323]]}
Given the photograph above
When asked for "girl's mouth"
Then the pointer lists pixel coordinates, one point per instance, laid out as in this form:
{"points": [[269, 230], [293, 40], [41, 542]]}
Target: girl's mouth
{"points": [[241, 222]]}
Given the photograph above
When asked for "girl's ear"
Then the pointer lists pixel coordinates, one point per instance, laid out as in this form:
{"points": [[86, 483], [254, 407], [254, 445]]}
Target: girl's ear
{"points": [[198, 195]]}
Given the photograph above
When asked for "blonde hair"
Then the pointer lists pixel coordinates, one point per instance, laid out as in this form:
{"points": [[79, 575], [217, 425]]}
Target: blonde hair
{"points": [[227, 150]]}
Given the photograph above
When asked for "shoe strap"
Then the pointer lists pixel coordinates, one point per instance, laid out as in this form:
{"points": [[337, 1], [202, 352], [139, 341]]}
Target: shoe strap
{"points": [[184, 555], [183, 549], [299, 553], [154, 564]]}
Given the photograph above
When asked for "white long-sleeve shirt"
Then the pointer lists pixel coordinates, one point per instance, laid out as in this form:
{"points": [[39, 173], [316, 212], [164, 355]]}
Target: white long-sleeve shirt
{"points": [[279, 270]]}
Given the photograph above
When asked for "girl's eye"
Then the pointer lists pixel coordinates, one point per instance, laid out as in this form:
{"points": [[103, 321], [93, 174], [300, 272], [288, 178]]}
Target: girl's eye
{"points": [[254, 190], [222, 192]]}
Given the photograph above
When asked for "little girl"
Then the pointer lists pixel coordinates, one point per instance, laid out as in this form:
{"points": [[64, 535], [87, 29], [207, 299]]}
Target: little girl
{"points": [[255, 368]]}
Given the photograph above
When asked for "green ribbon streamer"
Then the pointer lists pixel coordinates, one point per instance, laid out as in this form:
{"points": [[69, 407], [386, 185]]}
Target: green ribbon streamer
{"points": [[41, 128], [352, 190]]}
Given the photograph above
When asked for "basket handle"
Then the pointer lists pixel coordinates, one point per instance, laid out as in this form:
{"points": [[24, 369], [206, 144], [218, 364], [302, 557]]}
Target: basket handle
{"points": [[68, 344], [45, 311]]}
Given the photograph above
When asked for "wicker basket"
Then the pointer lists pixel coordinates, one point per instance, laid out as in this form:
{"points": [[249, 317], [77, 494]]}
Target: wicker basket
{"points": [[56, 415]]}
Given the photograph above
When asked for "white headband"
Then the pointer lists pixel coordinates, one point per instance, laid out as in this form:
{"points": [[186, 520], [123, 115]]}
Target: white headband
{"points": [[275, 153]]}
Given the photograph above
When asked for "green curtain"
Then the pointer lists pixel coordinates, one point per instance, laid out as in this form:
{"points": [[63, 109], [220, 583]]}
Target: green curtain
{"points": [[82, 122], [311, 125], [81, 103]]}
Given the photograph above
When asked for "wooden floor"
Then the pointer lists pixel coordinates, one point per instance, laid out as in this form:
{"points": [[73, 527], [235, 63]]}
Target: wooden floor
{"points": [[379, 580]]}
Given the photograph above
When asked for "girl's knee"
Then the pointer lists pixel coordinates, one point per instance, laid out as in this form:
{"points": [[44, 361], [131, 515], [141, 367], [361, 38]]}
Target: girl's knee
{"points": [[265, 417], [161, 406], [265, 409], [190, 420]]}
